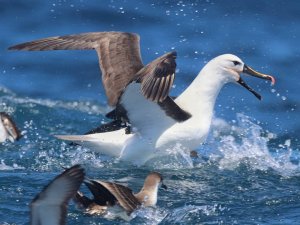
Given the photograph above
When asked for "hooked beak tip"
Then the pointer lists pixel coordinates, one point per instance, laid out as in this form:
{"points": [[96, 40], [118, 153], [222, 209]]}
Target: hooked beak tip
{"points": [[273, 81], [252, 72]]}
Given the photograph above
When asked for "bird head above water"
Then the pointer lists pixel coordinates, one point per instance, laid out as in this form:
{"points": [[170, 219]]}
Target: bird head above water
{"points": [[230, 68], [154, 179], [148, 194], [8, 129]]}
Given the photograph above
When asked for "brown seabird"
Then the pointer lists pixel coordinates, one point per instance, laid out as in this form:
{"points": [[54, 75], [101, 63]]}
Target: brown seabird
{"points": [[119, 200]]}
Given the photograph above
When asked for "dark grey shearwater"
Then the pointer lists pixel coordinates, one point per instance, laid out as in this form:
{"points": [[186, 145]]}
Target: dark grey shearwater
{"points": [[49, 207]]}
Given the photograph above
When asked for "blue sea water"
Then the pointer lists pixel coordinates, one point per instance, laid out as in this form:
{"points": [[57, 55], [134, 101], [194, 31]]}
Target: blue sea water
{"points": [[248, 172]]}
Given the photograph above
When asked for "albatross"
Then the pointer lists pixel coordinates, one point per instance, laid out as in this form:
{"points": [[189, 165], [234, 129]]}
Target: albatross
{"points": [[146, 121]]}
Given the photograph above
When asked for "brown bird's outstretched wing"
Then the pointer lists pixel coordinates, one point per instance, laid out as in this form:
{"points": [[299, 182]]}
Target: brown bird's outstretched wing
{"points": [[112, 193], [119, 55], [120, 62]]}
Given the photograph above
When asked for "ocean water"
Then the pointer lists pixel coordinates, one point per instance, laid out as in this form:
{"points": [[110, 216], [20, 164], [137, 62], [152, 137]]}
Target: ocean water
{"points": [[248, 169]]}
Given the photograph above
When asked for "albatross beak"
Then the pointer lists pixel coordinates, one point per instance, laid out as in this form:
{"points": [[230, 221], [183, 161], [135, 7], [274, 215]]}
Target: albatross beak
{"points": [[248, 70]]}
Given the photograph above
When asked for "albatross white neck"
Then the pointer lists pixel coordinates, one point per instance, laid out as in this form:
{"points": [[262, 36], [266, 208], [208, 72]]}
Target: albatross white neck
{"points": [[199, 98]]}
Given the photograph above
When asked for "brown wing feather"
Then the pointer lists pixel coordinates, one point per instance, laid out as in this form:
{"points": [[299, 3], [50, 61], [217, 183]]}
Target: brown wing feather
{"points": [[157, 77], [120, 60], [119, 55], [123, 194], [102, 196]]}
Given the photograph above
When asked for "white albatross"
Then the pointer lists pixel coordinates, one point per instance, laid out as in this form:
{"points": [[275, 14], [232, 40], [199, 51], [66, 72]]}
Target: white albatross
{"points": [[147, 122]]}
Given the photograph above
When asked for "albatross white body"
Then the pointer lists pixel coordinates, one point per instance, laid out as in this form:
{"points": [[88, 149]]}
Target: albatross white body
{"points": [[156, 134], [159, 124]]}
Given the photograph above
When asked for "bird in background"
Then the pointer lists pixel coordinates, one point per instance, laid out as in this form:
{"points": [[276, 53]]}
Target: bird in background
{"points": [[8, 128]]}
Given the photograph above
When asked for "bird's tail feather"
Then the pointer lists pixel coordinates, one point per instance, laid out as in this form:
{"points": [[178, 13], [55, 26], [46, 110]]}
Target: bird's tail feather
{"points": [[108, 143]]}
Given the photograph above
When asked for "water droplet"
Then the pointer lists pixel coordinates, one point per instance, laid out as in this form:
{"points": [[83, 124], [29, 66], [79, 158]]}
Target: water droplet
{"points": [[283, 98], [287, 143]]}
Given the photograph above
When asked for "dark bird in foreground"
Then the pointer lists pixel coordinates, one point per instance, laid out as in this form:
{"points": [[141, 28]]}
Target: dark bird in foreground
{"points": [[49, 207], [119, 200]]}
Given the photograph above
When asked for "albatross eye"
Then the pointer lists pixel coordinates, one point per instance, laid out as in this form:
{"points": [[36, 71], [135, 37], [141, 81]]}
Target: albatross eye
{"points": [[236, 63]]}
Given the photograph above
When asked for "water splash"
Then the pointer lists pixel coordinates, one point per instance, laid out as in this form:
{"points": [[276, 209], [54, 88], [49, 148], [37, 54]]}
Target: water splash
{"points": [[149, 216], [174, 158], [15, 166], [192, 213], [247, 142]]}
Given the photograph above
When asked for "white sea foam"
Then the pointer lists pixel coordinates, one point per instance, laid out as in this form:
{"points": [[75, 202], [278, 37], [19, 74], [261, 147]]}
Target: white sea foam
{"points": [[247, 142], [192, 211], [174, 158], [14, 166], [83, 106], [150, 216]]}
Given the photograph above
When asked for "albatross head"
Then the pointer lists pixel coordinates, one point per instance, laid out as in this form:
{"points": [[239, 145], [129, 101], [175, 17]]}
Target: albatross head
{"points": [[231, 67]]}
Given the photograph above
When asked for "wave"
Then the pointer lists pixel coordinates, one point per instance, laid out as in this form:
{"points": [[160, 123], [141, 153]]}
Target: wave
{"points": [[230, 144]]}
